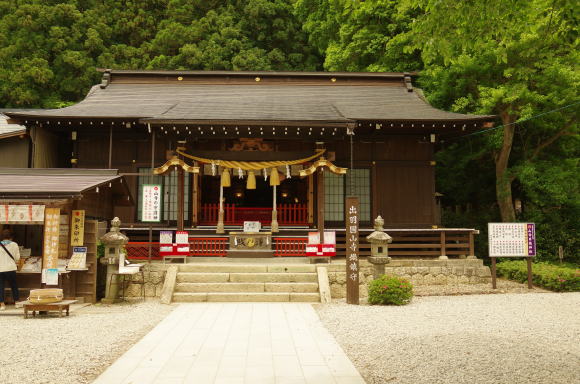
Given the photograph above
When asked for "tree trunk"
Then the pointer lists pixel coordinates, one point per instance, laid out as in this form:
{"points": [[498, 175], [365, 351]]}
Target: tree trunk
{"points": [[503, 181]]}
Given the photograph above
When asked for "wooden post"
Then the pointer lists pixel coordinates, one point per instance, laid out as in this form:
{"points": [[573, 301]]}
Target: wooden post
{"points": [[195, 199], [180, 197], [320, 202], [274, 223], [443, 255], [310, 200], [352, 251], [471, 246], [149, 251], [529, 261], [493, 273], [110, 147], [220, 223]]}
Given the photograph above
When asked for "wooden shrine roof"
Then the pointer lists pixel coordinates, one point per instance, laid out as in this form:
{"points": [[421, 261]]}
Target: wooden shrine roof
{"points": [[204, 97], [58, 182]]}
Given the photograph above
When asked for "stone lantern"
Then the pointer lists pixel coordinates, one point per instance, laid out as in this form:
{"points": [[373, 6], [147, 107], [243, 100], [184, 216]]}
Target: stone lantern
{"points": [[379, 248], [114, 242]]}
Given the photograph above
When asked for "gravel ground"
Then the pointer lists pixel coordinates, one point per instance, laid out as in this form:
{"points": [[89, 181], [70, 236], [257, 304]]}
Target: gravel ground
{"points": [[73, 349], [509, 338]]}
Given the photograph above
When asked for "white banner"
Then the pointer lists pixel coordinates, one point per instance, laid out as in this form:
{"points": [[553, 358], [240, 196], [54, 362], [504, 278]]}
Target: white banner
{"points": [[151, 203]]}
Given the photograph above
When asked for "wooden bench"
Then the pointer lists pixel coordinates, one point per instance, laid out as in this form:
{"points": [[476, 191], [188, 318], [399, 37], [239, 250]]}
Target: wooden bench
{"points": [[58, 306]]}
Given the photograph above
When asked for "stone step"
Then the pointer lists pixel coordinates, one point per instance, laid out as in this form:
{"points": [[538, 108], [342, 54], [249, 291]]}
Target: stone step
{"points": [[266, 277], [246, 268], [247, 287], [293, 277], [181, 297]]}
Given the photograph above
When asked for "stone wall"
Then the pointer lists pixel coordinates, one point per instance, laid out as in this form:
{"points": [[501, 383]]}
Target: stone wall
{"points": [[154, 275], [418, 272]]}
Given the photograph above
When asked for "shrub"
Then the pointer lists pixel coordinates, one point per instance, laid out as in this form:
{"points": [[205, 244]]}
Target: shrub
{"points": [[390, 290], [560, 278]]}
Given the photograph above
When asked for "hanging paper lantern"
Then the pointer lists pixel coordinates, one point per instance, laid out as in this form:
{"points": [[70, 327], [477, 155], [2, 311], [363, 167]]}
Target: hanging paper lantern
{"points": [[251, 184], [226, 182], [274, 177]]}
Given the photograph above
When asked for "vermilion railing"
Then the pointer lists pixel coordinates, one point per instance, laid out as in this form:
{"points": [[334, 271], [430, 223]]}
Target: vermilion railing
{"points": [[140, 250], [290, 246], [208, 246], [288, 214]]}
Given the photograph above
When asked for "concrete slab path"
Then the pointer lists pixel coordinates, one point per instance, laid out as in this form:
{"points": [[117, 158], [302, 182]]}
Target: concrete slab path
{"points": [[245, 343]]}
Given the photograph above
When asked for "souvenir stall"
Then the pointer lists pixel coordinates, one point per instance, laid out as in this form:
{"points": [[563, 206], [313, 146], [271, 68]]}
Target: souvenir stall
{"points": [[54, 216]]}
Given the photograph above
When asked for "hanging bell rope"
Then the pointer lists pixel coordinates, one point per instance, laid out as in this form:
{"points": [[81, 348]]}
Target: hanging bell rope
{"points": [[251, 183], [252, 165], [226, 181], [274, 177]]}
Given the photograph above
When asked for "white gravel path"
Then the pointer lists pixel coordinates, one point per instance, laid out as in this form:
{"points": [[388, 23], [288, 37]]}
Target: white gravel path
{"points": [[509, 338], [73, 349]]}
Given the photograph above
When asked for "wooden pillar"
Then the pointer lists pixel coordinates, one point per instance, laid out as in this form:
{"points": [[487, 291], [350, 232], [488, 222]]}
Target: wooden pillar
{"points": [[195, 199], [149, 251], [180, 197], [443, 247], [220, 224], [310, 199], [471, 246], [320, 202], [110, 147]]}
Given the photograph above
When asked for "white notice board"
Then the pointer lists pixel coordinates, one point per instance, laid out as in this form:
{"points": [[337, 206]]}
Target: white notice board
{"points": [[512, 239], [151, 203]]}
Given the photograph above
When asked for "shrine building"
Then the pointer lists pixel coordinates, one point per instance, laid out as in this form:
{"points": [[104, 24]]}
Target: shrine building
{"points": [[283, 149]]}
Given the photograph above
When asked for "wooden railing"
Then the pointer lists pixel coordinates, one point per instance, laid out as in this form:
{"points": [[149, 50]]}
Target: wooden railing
{"points": [[429, 243], [288, 214], [208, 246], [290, 246]]}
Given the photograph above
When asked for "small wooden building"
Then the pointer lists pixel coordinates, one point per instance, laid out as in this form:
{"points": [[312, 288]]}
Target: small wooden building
{"points": [[377, 125], [29, 196]]}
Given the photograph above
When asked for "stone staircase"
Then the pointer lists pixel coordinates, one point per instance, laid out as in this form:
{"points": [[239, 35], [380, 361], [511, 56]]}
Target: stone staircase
{"points": [[229, 282]]}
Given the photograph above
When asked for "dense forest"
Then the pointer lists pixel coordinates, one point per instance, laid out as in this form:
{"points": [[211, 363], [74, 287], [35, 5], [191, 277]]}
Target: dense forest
{"points": [[517, 59]]}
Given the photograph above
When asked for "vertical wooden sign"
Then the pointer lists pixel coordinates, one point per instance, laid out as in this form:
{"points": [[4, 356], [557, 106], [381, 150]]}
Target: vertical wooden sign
{"points": [[77, 233], [51, 236], [352, 266]]}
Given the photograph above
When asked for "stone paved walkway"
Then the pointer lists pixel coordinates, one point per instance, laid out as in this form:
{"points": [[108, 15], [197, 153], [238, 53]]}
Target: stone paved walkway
{"points": [[279, 343]]}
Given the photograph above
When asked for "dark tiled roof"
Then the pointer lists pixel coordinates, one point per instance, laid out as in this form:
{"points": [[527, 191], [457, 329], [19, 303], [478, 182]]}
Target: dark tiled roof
{"points": [[157, 96]]}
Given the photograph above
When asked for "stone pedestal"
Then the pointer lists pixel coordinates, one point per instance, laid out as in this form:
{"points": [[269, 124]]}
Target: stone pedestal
{"points": [[112, 287]]}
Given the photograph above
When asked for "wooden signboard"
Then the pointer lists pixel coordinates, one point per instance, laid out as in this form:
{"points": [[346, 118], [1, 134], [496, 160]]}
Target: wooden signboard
{"points": [[51, 235], [352, 252], [77, 233], [511, 240]]}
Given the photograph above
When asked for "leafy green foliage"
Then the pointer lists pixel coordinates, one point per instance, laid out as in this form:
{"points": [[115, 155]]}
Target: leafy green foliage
{"points": [[49, 50], [390, 290], [560, 278]]}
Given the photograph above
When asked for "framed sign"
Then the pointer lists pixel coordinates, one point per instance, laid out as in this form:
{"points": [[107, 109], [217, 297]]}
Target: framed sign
{"points": [[352, 265], [151, 203], [77, 234], [326, 248], [512, 239], [78, 259]]}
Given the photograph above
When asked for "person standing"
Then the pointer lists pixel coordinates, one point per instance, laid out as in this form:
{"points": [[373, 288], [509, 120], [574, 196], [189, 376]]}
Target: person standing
{"points": [[9, 256]]}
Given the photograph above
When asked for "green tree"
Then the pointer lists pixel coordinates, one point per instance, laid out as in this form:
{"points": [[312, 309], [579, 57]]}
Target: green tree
{"points": [[513, 58]]}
